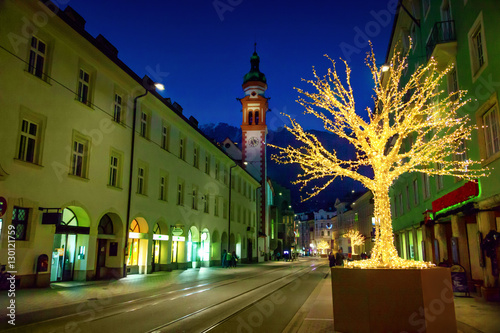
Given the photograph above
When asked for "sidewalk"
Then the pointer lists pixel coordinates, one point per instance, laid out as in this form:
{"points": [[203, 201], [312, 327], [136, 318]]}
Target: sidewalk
{"points": [[316, 315]]}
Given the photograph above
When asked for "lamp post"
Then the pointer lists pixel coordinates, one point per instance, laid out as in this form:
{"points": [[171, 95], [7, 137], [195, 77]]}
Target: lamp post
{"points": [[149, 86], [229, 213]]}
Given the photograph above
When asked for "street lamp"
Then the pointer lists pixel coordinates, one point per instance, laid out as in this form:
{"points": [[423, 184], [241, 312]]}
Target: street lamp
{"points": [[149, 86]]}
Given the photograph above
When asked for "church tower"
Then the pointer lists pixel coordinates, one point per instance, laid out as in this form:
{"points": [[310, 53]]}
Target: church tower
{"points": [[254, 131]]}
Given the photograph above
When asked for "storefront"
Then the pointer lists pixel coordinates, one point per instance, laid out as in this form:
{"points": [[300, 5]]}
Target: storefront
{"points": [[70, 245]]}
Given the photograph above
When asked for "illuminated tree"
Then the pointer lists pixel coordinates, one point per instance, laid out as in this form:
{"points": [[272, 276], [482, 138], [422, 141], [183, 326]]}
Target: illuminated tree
{"points": [[356, 238], [323, 245], [414, 127]]}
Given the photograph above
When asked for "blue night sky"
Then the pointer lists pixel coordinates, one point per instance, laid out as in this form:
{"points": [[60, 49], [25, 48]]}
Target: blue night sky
{"points": [[200, 49]]}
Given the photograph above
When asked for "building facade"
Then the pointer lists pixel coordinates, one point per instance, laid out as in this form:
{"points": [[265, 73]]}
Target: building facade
{"points": [[100, 175], [443, 219]]}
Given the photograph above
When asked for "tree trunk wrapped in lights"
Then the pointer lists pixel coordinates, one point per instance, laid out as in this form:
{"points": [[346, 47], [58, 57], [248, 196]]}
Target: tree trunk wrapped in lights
{"points": [[416, 113], [356, 238]]}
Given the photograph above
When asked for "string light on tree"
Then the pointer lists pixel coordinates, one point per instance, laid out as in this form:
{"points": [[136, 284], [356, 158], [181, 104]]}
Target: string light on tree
{"points": [[414, 112], [323, 245], [356, 238]]}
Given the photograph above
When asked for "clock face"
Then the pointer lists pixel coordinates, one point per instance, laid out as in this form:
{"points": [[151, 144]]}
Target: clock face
{"points": [[253, 142]]}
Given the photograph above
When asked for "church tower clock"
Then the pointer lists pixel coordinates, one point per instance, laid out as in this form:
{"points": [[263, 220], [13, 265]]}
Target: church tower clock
{"points": [[254, 131]]}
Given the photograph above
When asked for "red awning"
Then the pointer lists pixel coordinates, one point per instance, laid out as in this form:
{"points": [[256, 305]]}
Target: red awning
{"points": [[461, 194]]}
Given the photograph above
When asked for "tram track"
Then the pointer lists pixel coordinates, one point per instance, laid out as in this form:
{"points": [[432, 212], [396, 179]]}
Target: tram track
{"points": [[223, 306], [107, 311]]}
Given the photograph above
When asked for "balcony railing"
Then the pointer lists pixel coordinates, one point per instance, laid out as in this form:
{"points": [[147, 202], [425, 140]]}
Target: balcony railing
{"points": [[442, 32]]}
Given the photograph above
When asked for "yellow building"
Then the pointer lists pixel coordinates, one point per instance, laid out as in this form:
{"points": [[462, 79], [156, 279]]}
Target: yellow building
{"points": [[73, 177]]}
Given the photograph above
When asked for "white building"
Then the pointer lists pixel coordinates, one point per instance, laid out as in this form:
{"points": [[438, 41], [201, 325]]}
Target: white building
{"points": [[67, 105]]}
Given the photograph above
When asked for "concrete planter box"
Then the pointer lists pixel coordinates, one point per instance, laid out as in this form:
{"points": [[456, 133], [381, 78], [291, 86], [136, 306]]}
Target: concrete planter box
{"points": [[393, 300]]}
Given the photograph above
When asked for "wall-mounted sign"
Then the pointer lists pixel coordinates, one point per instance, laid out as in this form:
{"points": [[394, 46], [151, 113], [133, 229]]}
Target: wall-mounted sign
{"points": [[178, 238], [3, 206], [177, 231]]}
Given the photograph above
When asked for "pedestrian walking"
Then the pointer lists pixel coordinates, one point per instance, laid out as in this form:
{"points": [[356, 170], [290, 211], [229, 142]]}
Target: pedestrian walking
{"points": [[228, 259], [223, 259], [331, 259], [339, 258], [234, 259]]}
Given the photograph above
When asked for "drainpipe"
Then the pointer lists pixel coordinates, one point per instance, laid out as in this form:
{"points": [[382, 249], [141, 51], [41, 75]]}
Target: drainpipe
{"points": [[229, 213], [131, 172]]}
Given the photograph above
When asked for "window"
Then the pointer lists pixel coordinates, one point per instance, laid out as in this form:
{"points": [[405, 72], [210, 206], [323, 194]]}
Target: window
{"points": [[79, 157], [206, 203], [207, 164], [182, 148], [196, 157], [144, 124], [415, 192], [426, 6], [163, 188], [426, 188], [401, 209], [224, 175], [28, 141], [117, 113], [461, 154], [194, 201], [490, 130], [38, 51], [84, 87], [216, 206], [453, 84], [413, 36], [114, 168], [180, 193], [477, 47], [232, 212], [407, 198], [141, 180], [20, 222], [216, 170], [165, 137], [439, 178]]}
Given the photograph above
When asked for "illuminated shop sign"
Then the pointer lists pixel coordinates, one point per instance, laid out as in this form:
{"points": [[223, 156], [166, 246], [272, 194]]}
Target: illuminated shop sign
{"points": [[160, 237]]}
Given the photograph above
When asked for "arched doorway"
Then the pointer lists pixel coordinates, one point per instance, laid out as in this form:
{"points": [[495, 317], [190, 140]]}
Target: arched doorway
{"points": [[238, 246], [105, 231], [137, 246], [69, 250], [204, 251], [216, 249], [193, 244], [160, 247]]}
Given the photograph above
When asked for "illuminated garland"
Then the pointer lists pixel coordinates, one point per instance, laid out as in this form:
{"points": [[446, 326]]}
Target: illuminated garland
{"points": [[415, 113]]}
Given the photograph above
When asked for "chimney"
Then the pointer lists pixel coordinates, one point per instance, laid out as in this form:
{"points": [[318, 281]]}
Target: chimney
{"points": [[193, 121], [77, 19], [177, 107], [106, 46]]}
